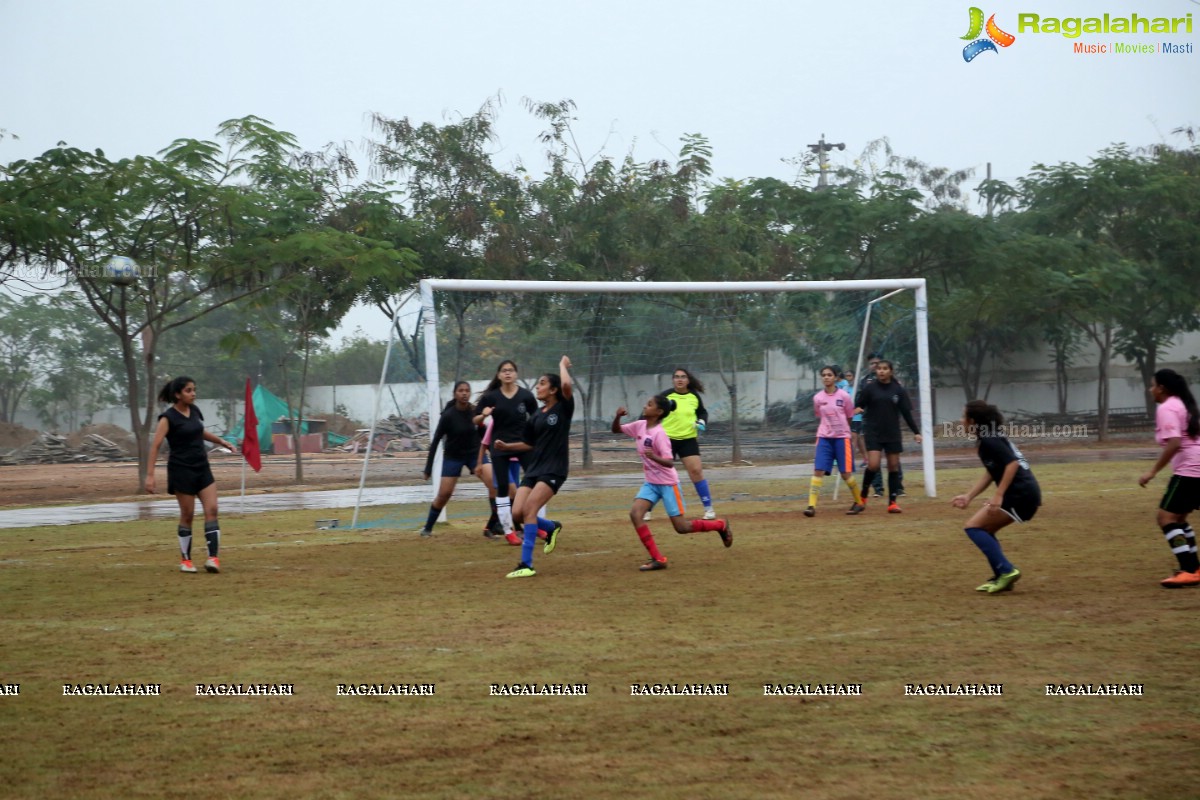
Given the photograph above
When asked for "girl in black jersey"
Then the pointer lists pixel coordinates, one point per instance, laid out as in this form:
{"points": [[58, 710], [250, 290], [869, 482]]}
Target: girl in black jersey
{"points": [[457, 428], [188, 473], [1016, 499], [545, 441], [509, 405], [883, 402]]}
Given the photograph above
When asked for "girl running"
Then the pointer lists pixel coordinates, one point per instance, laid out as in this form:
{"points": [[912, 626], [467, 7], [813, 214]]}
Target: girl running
{"points": [[1177, 429], [687, 421], [461, 435], [662, 482], [1016, 498], [834, 410], [188, 472], [546, 441], [509, 405]]}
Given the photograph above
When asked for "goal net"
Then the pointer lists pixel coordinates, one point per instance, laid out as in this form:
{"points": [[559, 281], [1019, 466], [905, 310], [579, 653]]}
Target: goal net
{"points": [[757, 348]]}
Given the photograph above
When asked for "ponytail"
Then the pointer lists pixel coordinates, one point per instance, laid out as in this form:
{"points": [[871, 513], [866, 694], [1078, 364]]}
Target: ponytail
{"points": [[1175, 385], [172, 388]]}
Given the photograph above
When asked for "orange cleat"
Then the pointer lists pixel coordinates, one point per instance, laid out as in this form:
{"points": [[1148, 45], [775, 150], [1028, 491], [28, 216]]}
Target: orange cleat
{"points": [[1181, 579]]}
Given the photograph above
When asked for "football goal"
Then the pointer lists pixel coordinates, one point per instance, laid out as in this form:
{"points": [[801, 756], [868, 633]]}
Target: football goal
{"points": [[755, 347]]}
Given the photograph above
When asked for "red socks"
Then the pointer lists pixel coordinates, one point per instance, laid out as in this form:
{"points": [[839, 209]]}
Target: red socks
{"points": [[699, 525], [648, 540]]}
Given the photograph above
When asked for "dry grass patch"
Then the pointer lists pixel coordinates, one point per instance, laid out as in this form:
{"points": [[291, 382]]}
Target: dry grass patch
{"points": [[879, 600]]}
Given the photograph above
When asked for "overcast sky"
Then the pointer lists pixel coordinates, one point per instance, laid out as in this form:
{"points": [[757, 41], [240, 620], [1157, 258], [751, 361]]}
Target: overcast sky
{"points": [[760, 78]]}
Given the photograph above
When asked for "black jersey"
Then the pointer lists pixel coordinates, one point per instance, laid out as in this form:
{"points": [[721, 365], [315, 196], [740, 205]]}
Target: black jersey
{"points": [[509, 414], [185, 437], [883, 405], [996, 453], [461, 433], [549, 433]]}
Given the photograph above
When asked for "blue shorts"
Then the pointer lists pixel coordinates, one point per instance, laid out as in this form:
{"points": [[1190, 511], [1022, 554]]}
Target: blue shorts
{"points": [[831, 451], [453, 469], [672, 500]]}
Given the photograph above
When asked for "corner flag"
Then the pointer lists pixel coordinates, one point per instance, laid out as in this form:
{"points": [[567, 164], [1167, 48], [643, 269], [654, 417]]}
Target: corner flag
{"points": [[250, 449]]}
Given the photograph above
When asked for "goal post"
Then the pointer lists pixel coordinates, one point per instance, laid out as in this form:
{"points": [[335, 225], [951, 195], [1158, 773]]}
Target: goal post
{"points": [[429, 321]]}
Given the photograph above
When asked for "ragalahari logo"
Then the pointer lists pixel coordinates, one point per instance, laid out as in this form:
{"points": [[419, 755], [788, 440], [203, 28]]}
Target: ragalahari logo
{"points": [[995, 36]]}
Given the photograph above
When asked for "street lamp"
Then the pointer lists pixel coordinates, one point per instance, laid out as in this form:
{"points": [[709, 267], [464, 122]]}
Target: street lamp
{"points": [[821, 148]]}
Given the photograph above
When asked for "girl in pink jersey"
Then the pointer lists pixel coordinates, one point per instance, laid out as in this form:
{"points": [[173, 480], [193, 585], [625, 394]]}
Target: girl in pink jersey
{"points": [[835, 445], [1177, 429], [662, 481]]}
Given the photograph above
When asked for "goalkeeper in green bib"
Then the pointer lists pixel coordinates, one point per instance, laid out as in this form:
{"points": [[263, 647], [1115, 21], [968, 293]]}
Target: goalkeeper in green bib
{"points": [[683, 426]]}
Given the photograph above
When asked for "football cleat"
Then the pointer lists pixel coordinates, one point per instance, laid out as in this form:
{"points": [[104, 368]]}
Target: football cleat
{"points": [[185, 565], [212, 565], [1004, 583], [552, 538], [811, 511], [1181, 579], [653, 564], [523, 570], [726, 534]]}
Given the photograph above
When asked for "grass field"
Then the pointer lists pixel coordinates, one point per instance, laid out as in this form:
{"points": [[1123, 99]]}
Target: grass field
{"points": [[877, 600]]}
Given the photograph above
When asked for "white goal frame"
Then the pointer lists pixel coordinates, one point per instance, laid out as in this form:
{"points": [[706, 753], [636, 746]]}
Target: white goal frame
{"points": [[429, 320]]}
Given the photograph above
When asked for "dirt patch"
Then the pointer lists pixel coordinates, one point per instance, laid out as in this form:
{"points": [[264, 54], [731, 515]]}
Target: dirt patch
{"points": [[58, 484], [14, 436]]}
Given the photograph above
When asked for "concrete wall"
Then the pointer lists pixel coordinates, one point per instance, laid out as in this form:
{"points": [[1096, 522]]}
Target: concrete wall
{"points": [[1025, 383]]}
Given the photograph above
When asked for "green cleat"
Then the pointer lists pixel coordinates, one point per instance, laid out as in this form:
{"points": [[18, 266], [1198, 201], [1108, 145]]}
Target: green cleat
{"points": [[523, 570], [987, 585], [1004, 583], [552, 538]]}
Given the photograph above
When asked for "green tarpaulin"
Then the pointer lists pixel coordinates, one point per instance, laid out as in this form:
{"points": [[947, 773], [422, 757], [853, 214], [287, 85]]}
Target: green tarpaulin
{"points": [[268, 408]]}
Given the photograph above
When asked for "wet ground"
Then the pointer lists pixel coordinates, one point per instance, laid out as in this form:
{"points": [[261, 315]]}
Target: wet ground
{"points": [[345, 498]]}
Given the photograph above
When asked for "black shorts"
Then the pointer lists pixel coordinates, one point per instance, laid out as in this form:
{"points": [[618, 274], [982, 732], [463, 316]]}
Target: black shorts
{"points": [[885, 447], [856, 426], [682, 448], [555, 482], [1182, 495], [188, 480], [1020, 507]]}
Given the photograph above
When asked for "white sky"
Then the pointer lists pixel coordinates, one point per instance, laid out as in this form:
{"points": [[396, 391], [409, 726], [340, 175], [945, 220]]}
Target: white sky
{"points": [[760, 78]]}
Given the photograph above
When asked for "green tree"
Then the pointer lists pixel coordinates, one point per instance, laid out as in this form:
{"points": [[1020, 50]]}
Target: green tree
{"points": [[465, 214], [1128, 222], [198, 221]]}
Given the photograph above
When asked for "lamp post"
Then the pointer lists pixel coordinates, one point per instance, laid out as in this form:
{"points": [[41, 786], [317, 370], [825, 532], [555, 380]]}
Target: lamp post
{"points": [[821, 148]]}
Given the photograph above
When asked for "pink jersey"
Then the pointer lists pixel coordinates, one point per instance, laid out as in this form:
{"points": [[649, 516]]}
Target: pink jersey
{"points": [[1170, 422], [653, 440], [835, 412]]}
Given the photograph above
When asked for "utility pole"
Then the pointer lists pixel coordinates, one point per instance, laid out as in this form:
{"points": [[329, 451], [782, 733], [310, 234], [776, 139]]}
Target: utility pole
{"points": [[821, 148], [990, 200]]}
